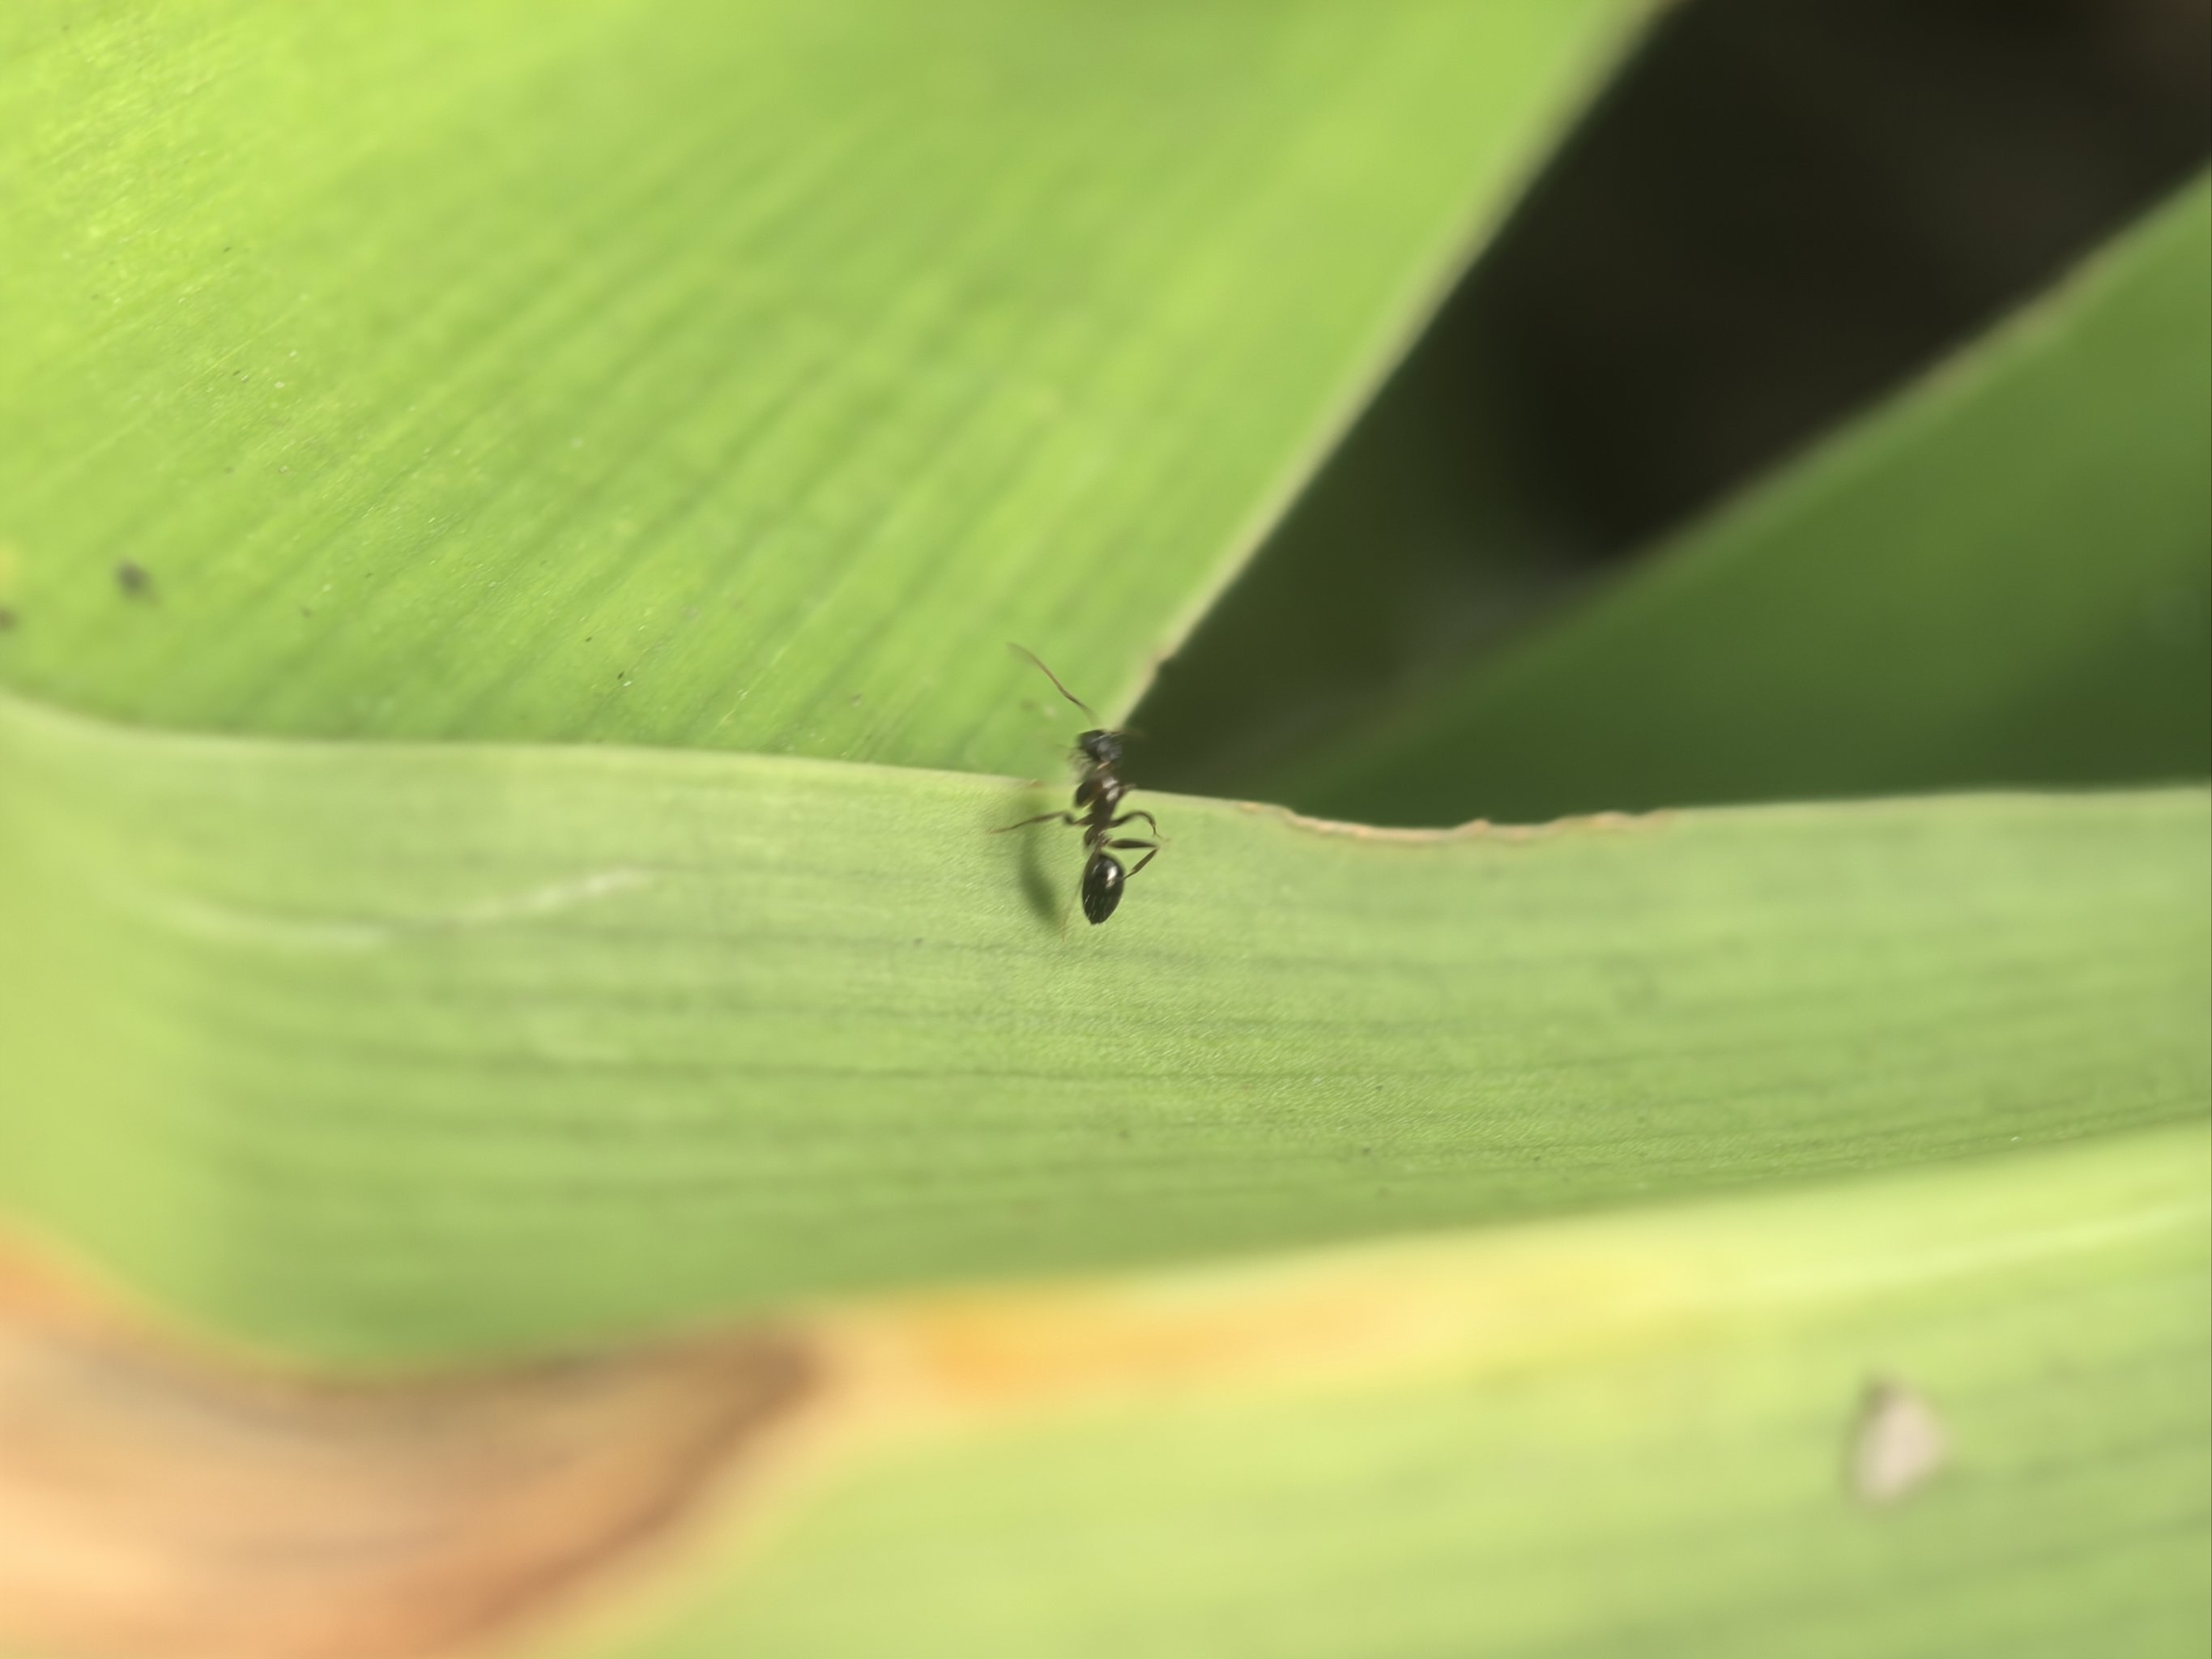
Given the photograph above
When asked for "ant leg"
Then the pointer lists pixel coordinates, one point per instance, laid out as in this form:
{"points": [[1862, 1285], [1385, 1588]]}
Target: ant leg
{"points": [[1131, 846], [1041, 818], [1126, 817]]}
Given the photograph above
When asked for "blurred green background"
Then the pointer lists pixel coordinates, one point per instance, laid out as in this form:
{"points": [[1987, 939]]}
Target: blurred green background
{"points": [[1778, 215]]}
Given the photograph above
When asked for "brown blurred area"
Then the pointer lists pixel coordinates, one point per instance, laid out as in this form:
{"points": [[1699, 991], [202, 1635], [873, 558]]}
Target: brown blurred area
{"points": [[163, 1498]]}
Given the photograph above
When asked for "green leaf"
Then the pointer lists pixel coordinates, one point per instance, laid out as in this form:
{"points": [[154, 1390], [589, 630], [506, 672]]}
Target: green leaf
{"points": [[1616, 1436], [700, 378], [732, 376], [389, 1050], [1999, 578]]}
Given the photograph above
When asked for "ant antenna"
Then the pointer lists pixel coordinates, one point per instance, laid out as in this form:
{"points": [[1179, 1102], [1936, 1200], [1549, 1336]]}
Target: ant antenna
{"points": [[1054, 677]]}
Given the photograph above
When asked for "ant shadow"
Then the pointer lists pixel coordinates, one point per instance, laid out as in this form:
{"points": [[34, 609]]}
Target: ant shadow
{"points": [[1043, 890]]}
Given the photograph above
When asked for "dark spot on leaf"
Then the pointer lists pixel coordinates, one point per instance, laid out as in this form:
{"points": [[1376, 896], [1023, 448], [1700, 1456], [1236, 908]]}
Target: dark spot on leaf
{"points": [[132, 578]]}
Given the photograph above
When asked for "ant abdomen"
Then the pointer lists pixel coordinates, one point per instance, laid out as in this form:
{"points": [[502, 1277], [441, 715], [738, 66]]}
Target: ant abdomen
{"points": [[1102, 880]]}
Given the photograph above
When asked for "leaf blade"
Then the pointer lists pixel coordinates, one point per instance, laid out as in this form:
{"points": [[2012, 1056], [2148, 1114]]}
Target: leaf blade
{"points": [[382, 1048], [694, 377], [1592, 1437]]}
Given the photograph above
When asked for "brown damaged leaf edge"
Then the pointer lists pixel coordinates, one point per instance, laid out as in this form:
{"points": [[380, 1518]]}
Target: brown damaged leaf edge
{"points": [[1582, 823], [1473, 829], [156, 1503]]}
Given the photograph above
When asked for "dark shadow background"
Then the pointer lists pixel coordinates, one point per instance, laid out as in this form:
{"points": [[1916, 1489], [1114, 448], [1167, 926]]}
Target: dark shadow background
{"points": [[1782, 210]]}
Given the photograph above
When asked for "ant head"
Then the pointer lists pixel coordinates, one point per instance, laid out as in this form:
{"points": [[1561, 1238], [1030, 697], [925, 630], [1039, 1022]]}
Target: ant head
{"points": [[1101, 748]]}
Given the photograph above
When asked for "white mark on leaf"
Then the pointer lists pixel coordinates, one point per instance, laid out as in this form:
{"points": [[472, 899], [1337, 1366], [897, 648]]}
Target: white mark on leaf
{"points": [[1897, 1443], [211, 919]]}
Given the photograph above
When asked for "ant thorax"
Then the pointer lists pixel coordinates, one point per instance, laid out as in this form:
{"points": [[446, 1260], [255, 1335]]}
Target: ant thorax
{"points": [[1099, 787]]}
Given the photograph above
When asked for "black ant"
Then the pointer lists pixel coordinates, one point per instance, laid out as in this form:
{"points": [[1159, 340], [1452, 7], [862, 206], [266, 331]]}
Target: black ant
{"points": [[1097, 792]]}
